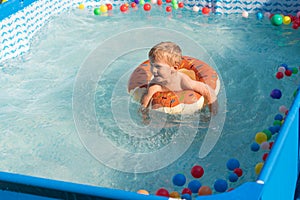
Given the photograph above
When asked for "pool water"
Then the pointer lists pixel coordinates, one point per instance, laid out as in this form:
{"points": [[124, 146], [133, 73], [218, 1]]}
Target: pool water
{"points": [[66, 113]]}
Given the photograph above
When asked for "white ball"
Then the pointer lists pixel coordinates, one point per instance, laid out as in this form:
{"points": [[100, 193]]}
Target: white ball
{"points": [[245, 14], [153, 1], [281, 69], [196, 8]]}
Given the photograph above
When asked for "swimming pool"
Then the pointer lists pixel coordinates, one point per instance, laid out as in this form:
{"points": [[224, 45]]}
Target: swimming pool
{"points": [[51, 89]]}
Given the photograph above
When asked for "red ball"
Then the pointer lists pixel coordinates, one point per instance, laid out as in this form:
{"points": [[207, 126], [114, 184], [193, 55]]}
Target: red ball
{"points": [[186, 191], [147, 7], [159, 2], [279, 75], [197, 171], [109, 6], [168, 9], [168, 1], [271, 145], [264, 157], [162, 192], [230, 189], [238, 171], [288, 72], [205, 10], [295, 26], [180, 4], [123, 8], [133, 4]]}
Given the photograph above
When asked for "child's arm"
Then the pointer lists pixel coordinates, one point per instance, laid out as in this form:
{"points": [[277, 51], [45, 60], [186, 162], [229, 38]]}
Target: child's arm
{"points": [[150, 92]]}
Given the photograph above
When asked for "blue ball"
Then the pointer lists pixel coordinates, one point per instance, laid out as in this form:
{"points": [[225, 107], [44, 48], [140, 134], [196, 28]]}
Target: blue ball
{"points": [[284, 65], [220, 185], [259, 15], [277, 128], [278, 117], [233, 177], [179, 179], [276, 94], [186, 196], [254, 146], [194, 186], [232, 163]]}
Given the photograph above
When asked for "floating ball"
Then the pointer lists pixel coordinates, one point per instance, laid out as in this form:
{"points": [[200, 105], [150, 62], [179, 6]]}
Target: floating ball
{"points": [[159, 2], [258, 167], [137, 1], [205, 10], [186, 191], [279, 75], [154, 1], [286, 20], [265, 156], [277, 19], [288, 72], [162, 192], [238, 171], [123, 8], [233, 177], [175, 195], [179, 179], [147, 7], [278, 117], [284, 65], [142, 2], [220, 185], [97, 11], [81, 6], [196, 8], [197, 171], [103, 8], [259, 16], [168, 1], [145, 192], [133, 5], [186, 197], [268, 133], [109, 6], [295, 70], [169, 9], [277, 123], [180, 4], [194, 186], [281, 69], [267, 14], [260, 137], [271, 145], [282, 109], [276, 94], [255, 147], [264, 145], [245, 14], [204, 190], [232, 163], [175, 6]]}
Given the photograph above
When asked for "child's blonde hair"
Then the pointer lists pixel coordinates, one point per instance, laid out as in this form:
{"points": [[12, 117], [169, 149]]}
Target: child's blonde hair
{"points": [[167, 52]]}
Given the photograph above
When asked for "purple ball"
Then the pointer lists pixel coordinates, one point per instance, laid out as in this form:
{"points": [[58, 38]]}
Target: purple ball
{"points": [[276, 94], [137, 1]]}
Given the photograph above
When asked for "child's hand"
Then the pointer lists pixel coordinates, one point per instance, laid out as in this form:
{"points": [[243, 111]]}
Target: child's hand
{"points": [[145, 115]]}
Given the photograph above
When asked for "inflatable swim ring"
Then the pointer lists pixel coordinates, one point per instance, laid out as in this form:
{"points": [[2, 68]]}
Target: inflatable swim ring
{"points": [[184, 102]]}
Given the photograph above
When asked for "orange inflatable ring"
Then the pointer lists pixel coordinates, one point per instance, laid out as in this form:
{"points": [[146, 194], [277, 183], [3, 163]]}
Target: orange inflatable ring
{"points": [[184, 102]]}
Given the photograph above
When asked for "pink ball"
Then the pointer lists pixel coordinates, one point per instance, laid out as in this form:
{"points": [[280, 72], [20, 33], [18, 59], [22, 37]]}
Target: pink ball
{"points": [[282, 109], [298, 14], [264, 145], [281, 69]]}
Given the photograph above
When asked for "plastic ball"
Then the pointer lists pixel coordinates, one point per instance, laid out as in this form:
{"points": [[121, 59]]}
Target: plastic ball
{"points": [[278, 117], [186, 191], [232, 164], [245, 14], [168, 1], [288, 72], [180, 4], [97, 11], [298, 14], [295, 70], [284, 65], [267, 14], [169, 9], [174, 2], [264, 145], [286, 20], [277, 123], [123, 8], [133, 5], [271, 145], [258, 167], [265, 156], [282, 109], [276, 94], [186, 197], [205, 10], [259, 16], [162, 192], [103, 8], [220, 185], [175, 6], [281, 69], [233, 177], [255, 147], [142, 2], [159, 2], [238, 171], [154, 1], [109, 6], [174, 194], [145, 192], [260, 137], [277, 19], [194, 186], [295, 26], [81, 6], [268, 133], [147, 7], [197, 171], [279, 75], [204, 190], [196, 8], [179, 179]]}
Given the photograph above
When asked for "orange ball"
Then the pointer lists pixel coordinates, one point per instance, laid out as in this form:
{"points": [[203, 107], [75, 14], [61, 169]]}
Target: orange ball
{"points": [[205, 10], [204, 190], [175, 194], [145, 192]]}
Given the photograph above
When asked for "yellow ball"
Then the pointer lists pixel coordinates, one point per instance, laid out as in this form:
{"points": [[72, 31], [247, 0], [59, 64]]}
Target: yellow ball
{"points": [[103, 8], [258, 167], [261, 137], [81, 6], [174, 194], [145, 192], [286, 20]]}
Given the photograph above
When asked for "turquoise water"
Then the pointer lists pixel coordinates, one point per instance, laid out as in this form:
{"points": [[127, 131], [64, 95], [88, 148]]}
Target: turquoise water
{"points": [[48, 129]]}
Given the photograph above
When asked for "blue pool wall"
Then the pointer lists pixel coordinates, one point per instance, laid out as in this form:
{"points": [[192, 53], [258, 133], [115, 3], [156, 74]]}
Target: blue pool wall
{"points": [[20, 20]]}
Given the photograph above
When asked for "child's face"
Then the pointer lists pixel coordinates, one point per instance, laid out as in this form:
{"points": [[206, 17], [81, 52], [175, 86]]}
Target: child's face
{"points": [[161, 71]]}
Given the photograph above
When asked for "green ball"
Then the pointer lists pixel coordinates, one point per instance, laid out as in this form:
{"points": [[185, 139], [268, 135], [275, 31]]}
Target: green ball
{"points": [[277, 122], [175, 6], [294, 70], [97, 11], [277, 20], [268, 133], [142, 2], [174, 2]]}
